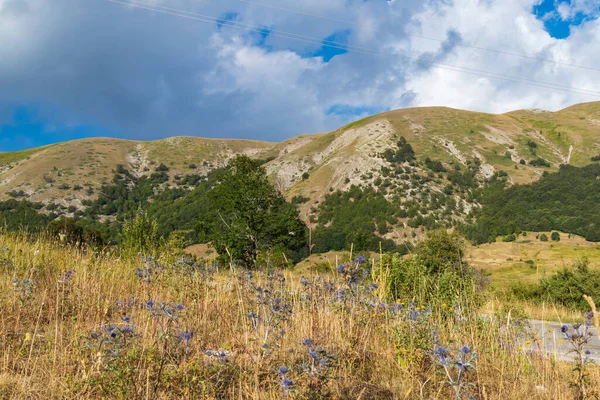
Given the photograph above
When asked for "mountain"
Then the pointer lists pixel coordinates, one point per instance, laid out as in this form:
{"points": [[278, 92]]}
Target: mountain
{"points": [[456, 152]]}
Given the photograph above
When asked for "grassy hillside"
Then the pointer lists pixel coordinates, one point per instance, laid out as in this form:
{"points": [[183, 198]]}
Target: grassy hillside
{"points": [[456, 152], [68, 173]]}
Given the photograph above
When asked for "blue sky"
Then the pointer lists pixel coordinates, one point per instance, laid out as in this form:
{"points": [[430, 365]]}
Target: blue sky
{"points": [[559, 26], [107, 69]]}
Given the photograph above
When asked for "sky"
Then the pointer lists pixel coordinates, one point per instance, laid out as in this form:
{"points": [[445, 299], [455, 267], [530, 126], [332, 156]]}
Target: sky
{"points": [[273, 69]]}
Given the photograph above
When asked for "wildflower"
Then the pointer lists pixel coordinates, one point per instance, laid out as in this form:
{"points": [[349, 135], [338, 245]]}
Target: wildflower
{"points": [[282, 370], [564, 329], [287, 384], [465, 350], [341, 268], [528, 342], [360, 259], [561, 341], [186, 335]]}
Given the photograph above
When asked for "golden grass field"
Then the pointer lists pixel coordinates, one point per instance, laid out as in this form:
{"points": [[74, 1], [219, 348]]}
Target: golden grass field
{"points": [[55, 342]]}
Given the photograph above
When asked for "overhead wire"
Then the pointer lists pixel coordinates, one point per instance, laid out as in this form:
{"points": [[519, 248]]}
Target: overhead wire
{"points": [[344, 46], [467, 45]]}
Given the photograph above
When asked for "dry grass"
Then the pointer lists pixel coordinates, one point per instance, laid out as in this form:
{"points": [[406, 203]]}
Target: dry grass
{"points": [[507, 262], [47, 351]]}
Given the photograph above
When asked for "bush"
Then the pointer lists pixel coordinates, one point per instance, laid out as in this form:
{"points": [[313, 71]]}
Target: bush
{"points": [[299, 199], [555, 237], [162, 168], [568, 286], [436, 273], [539, 162], [140, 235], [543, 237], [509, 238]]}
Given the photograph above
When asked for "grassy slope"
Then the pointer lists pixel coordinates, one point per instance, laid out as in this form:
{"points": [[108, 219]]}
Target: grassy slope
{"points": [[436, 132], [92, 162]]}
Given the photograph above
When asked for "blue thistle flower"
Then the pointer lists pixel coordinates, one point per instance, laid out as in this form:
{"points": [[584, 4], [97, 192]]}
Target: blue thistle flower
{"points": [[282, 370], [186, 335], [360, 259]]}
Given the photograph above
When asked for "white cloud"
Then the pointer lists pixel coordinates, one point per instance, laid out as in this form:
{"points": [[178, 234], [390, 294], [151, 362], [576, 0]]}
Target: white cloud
{"points": [[150, 74]]}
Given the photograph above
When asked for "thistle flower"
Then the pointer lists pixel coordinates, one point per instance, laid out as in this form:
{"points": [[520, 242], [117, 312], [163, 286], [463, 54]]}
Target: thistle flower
{"points": [[360, 260], [282, 370]]}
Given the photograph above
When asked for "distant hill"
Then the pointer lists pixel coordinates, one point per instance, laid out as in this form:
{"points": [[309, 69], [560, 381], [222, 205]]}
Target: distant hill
{"points": [[455, 150]]}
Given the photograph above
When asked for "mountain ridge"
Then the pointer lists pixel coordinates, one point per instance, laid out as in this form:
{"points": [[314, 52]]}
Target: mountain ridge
{"points": [[518, 146]]}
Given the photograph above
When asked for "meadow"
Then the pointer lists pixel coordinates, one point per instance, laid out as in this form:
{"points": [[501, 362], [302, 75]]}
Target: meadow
{"points": [[77, 323]]}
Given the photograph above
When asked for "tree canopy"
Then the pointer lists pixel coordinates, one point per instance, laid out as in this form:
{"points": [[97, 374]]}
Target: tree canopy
{"points": [[249, 215]]}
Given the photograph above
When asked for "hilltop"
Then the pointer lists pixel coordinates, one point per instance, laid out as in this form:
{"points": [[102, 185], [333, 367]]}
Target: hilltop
{"points": [[455, 153]]}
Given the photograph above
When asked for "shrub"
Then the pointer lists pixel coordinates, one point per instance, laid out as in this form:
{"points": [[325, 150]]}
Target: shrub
{"points": [[299, 199], [436, 273], [555, 237], [568, 286], [543, 237], [140, 235], [162, 168], [539, 162], [509, 238]]}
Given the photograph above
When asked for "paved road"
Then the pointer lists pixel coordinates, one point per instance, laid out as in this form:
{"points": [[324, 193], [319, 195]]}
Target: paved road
{"points": [[554, 341]]}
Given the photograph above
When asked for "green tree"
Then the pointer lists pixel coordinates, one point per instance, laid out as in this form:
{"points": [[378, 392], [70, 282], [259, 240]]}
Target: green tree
{"points": [[555, 237], [250, 216], [544, 237]]}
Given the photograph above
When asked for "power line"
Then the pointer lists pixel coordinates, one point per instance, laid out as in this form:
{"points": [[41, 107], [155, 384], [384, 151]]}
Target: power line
{"points": [[296, 11], [254, 28], [467, 45], [346, 47]]}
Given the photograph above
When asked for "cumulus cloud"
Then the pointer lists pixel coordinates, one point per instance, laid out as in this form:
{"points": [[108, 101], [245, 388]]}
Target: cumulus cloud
{"points": [[146, 74]]}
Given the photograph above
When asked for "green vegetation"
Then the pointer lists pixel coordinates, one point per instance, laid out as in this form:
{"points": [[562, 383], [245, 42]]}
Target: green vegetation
{"points": [[564, 288], [405, 152], [235, 208], [567, 201], [352, 218], [436, 273], [249, 216]]}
